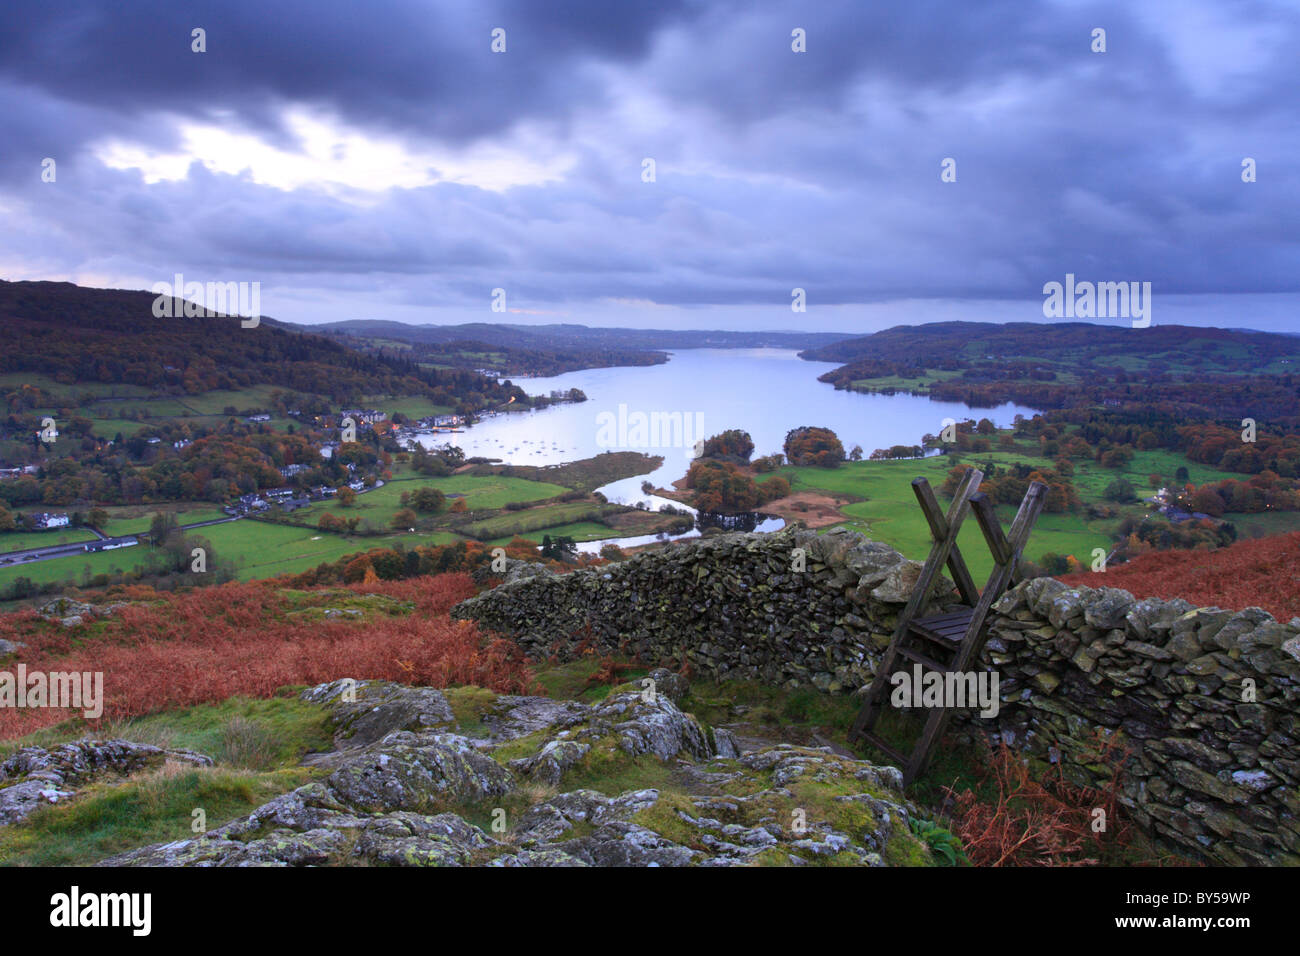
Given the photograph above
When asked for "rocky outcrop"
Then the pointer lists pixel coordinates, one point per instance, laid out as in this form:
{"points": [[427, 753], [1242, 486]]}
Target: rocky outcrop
{"points": [[70, 613], [421, 794], [1204, 702], [34, 776], [789, 609]]}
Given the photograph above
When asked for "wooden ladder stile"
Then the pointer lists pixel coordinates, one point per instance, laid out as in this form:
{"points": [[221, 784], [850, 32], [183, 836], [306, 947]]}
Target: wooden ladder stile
{"points": [[943, 547], [957, 635]]}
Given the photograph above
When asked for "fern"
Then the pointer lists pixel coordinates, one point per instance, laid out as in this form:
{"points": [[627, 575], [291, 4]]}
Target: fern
{"points": [[944, 845]]}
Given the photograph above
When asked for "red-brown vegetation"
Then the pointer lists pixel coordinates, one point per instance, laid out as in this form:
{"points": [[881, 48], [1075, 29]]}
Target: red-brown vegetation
{"points": [[1261, 572], [241, 639], [1015, 819]]}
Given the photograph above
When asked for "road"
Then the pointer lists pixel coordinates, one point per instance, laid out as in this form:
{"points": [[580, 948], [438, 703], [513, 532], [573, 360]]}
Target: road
{"points": [[10, 558]]}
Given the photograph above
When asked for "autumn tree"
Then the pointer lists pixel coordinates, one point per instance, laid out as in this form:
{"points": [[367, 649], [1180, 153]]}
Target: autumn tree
{"points": [[731, 445], [811, 445]]}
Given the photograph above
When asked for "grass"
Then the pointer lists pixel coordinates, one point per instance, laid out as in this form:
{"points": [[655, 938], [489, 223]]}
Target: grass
{"points": [[578, 531], [258, 549], [481, 493], [293, 727], [412, 406], [154, 808], [887, 510], [135, 519], [531, 520], [256, 743], [23, 540]]}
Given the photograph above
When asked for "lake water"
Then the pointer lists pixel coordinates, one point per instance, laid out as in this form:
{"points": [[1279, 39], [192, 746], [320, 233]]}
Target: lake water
{"points": [[698, 393]]}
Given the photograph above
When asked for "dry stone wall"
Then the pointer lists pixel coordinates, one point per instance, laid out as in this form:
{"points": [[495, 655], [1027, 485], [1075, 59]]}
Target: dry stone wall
{"points": [[1196, 709], [734, 606]]}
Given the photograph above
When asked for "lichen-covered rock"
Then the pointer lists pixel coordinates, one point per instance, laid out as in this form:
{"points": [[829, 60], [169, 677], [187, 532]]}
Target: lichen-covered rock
{"points": [[1078, 668], [645, 726], [366, 711], [408, 798], [828, 809], [411, 771], [34, 776], [551, 761], [70, 613]]}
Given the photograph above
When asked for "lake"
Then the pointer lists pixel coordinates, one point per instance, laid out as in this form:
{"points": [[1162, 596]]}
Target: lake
{"points": [[696, 394]]}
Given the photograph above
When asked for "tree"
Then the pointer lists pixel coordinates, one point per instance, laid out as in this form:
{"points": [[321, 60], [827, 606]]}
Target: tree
{"points": [[404, 518], [1207, 501], [428, 500], [811, 445], [1054, 564], [731, 445], [162, 527], [1121, 490], [459, 506], [346, 497]]}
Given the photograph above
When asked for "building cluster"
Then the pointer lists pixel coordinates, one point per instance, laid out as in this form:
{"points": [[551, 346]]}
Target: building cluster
{"points": [[45, 520]]}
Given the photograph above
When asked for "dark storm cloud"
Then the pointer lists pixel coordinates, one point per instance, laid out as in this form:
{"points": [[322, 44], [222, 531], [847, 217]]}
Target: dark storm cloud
{"points": [[775, 169], [424, 68]]}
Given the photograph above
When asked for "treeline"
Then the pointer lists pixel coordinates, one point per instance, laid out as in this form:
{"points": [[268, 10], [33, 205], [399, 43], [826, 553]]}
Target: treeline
{"points": [[719, 484], [1008, 485], [1197, 373], [509, 360], [216, 465], [111, 336]]}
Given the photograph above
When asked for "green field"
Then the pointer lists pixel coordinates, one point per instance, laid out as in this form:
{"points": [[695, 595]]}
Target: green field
{"points": [[23, 540], [257, 549], [262, 550], [578, 531], [532, 520], [891, 515], [71, 568], [412, 406], [135, 519], [481, 492]]}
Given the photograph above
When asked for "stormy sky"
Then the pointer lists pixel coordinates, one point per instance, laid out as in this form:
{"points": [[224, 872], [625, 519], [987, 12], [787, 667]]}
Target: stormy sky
{"points": [[378, 159]]}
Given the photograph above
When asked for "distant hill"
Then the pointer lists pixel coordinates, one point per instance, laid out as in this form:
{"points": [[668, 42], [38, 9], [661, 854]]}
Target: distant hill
{"points": [[567, 336], [937, 341], [1188, 371], [81, 335]]}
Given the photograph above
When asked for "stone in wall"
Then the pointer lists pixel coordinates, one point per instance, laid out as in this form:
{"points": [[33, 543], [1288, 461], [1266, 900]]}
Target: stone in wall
{"points": [[1209, 768], [729, 606], [1203, 704]]}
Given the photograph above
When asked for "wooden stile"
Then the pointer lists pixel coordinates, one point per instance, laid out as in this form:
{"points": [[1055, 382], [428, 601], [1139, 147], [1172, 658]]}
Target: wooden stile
{"points": [[952, 641]]}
